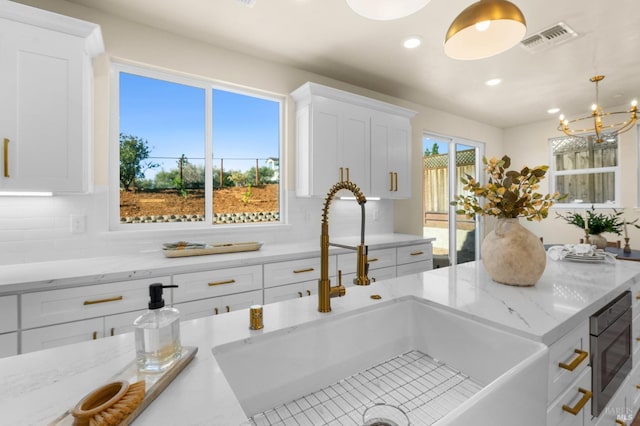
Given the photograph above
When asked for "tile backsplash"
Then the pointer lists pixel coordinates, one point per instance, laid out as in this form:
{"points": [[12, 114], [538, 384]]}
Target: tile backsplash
{"points": [[36, 229]]}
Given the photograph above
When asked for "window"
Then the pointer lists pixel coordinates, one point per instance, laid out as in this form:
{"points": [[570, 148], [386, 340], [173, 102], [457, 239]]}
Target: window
{"points": [[585, 170], [191, 152]]}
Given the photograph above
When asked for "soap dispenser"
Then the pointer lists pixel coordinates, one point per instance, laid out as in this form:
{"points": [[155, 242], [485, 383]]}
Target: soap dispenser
{"points": [[157, 334]]}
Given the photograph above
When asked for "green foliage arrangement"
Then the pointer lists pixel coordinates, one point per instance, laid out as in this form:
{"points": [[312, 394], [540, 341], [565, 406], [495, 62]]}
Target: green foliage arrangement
{"points": [[508, 193], [597, 223]]}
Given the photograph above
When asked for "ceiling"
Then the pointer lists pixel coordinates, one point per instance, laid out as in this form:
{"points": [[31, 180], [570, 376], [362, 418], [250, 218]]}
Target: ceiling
{"points": [[327, 38]]}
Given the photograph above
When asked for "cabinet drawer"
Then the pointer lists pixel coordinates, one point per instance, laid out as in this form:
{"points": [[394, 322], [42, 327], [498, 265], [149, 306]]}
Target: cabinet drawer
{"points": [[121, 323], [291, 291], [70, 304], [295, 271], [218, 305], [383, 258], [201, 285], [8, 313], [565, 351], [572, 397], [62, 334], [415, 267], [415, 253], [8, 344]]}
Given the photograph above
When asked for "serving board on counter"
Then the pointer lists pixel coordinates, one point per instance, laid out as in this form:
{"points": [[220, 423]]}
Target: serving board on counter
{"points": [[211, 249], [154, 384]]}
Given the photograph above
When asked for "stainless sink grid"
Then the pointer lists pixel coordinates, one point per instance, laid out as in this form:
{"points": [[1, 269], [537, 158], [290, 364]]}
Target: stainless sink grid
{"points": [[424, 388]]}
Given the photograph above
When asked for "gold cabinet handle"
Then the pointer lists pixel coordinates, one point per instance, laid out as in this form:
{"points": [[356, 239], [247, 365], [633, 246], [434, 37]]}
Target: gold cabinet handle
{"points": [[95, 335], [109, 299], [300, 271], [308, 292], [375, 259], [586, 396], [416, 253], [215, 310], [228, 308], [395, 178], [390, 181], [582, 355], [6, 157], [341, 174], [637, 294], [638, 339], [113, 331], [620, 422], [637, 386], [213, 283], [348, 180], [299, 294]]}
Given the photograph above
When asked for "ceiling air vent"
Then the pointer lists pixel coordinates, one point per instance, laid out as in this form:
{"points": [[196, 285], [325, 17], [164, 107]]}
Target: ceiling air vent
{"points": [[549, 37], [248, 3]]}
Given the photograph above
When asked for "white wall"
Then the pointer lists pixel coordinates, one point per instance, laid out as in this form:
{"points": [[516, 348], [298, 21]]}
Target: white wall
{"points": [[528, 145], [39, 229]]}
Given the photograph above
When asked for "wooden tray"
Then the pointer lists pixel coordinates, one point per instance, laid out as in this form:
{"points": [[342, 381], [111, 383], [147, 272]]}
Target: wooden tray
{"points": [[154, 384], [212, 249]]}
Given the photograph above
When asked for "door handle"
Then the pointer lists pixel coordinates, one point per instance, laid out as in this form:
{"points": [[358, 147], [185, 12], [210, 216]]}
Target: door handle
{"points": [[6, 157], [586, 396], [390, 181], [582, 355], [395, 178]]}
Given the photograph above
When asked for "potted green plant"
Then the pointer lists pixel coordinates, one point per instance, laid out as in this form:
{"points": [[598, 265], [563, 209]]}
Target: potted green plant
{"points": [[511, 253], [596, 223]]}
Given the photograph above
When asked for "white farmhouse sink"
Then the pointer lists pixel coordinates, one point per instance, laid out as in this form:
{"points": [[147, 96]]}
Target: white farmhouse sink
{"points": [[275, 368]]}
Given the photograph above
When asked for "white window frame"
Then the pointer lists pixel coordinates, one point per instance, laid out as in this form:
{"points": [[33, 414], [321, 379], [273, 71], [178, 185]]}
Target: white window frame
{"points": [[553, 173], [208, 85]]}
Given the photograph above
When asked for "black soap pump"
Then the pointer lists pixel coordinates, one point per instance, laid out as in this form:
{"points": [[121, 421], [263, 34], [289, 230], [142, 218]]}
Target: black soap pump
{"points": [[157, 333]]}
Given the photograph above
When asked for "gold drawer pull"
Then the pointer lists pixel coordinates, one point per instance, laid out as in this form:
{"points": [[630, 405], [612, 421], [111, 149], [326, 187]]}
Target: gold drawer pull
{"points": [[585, 398], [582, 355], [300, 271], [637, 386], [113, 331], [308, 292], [95, 335], [637, 296], [231, 281], [417, 253], [638, 339], [395, 177], [228, 308], [109, 299], [341, 174], [390, 181], [299, 294], [215, 310], [620, 422], [375, 259], [6, 157]]}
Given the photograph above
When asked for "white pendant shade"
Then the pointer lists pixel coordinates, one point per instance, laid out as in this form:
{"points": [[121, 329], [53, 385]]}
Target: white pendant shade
{"points": [[484, 29], [384, 10]]}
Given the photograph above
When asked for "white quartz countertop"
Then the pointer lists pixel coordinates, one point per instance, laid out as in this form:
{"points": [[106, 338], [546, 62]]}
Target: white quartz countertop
{"points": [[68, 273], [39, 386]]}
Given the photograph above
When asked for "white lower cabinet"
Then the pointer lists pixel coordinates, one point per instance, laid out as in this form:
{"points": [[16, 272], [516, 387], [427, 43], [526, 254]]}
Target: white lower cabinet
{"points": [[121, 323], [8, 313], [291, 291], [414, 258], [8, 344], [218, 305], [573, 406], [62, 334]]}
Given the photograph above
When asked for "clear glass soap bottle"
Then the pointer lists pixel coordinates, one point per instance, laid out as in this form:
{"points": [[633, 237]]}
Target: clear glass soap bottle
{"points": [[157, 334]]}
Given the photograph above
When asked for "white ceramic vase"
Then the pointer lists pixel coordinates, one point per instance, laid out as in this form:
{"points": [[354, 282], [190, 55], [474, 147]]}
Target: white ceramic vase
{"points": [[513, 255], [598, 240]]}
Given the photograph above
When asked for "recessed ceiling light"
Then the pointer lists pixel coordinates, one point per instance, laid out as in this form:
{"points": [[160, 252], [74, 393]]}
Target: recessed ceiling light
{"points": [[493, 82], [412, 42], [553, 110]]}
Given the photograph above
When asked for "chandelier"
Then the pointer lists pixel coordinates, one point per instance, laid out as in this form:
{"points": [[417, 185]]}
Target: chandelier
{"points": [[600, 122], [484, 29]]}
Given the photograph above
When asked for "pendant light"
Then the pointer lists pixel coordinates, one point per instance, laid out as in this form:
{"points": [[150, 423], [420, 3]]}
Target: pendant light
{"points": [[385, 10], [484, 29]]}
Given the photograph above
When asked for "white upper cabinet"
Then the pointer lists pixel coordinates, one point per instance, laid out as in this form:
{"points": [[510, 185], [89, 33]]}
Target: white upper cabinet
{"points": [[342, 136], [46, 81]]}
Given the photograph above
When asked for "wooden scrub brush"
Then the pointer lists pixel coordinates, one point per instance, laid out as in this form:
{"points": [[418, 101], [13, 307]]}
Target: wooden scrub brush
{"points": [[109, 405]]}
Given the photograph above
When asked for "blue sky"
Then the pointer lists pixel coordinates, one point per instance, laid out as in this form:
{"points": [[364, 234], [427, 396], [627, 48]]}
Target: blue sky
{"points": [[171, 118]]}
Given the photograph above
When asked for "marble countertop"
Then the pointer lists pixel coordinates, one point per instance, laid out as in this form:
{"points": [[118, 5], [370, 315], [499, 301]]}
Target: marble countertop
{"points": [[39, 386], [68, 273]]}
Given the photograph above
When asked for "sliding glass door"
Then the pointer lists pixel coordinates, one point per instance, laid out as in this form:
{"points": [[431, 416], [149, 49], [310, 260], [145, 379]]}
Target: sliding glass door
{"points": [[445, 160]]}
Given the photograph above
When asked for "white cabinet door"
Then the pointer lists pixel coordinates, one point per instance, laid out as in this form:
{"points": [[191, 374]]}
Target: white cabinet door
{"points": [[8, 344], [121, 323], [390, 156], [353, 149], [218, 305], [414, 258], [62, 334], [8, 313], [45, 81], [291, 291], [575, 398]]}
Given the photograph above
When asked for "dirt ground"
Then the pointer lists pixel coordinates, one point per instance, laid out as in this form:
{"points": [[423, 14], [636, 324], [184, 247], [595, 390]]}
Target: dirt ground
{"points": [[227, 200]]}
